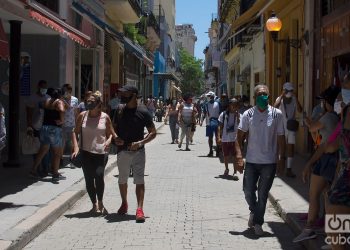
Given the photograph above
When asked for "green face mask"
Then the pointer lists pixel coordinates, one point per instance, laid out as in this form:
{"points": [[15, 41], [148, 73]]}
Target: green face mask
{"points": [[262, 101]]}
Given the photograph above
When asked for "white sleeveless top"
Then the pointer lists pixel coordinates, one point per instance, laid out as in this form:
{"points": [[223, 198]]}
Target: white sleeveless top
{"points": [[94, 133], [187, 112]]}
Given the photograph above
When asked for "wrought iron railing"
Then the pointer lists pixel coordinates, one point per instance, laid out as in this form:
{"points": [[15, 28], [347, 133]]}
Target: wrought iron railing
{"points": [[137, 6]]}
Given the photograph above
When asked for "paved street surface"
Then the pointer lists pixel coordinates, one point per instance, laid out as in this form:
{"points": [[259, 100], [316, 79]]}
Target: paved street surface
{"points": [[188, 206]]}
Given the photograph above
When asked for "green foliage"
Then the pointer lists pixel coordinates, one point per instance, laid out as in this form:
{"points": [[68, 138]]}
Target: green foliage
{"points": [[132, 32], [192, 73]]}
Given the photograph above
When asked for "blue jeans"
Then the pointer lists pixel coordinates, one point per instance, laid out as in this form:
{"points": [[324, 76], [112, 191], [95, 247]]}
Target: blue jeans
{"points": [[258, 177]]}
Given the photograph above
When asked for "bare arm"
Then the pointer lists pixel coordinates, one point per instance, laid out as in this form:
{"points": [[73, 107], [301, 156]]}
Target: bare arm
{"points": [[278, 100], [299, 107], [152, 132], [76, 132], [281, 141]]}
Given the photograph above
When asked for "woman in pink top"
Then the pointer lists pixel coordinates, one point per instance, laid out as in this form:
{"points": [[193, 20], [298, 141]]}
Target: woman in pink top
{"points": [[95, 130]]}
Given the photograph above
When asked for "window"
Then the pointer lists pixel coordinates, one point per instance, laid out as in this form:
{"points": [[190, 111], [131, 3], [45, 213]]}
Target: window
{"points": [[50, 4]]}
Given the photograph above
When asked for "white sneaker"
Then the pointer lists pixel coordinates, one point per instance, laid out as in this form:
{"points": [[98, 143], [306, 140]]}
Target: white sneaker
{"points": [[250, 221], [258, 230], [306, 234]]}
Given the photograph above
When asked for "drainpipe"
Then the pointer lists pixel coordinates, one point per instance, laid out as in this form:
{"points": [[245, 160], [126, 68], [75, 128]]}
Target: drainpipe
{"points": [[15, 52]]}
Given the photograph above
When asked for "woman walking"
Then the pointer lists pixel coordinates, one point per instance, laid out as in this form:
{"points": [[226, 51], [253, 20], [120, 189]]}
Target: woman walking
{"points": [[51, 134], [95, 130], [172, 115], [186, 119]]}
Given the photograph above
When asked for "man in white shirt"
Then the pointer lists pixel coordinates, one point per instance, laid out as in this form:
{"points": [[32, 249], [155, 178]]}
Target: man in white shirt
{"points": [[211, 114], [288, 104], [265, 153]]}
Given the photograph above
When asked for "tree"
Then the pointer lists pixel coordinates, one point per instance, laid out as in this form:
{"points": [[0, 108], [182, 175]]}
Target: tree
{"points": [[191, 73]]}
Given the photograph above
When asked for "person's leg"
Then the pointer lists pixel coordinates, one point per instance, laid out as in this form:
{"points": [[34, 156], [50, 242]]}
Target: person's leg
{"points": [[216, 142], [140, 194], [224, 146], [267, 174], [89, 170], [44, 148], [124, 162], [183, 133], [210, 142], [250, 179], [101, 161], [139, 162], [172, 125], [188, 135], [317, 185]]}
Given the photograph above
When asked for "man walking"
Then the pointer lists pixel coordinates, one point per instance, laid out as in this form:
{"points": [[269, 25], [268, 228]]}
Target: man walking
{"points": [[129, 121], [211, 114], [289, 104], [264, 125]]}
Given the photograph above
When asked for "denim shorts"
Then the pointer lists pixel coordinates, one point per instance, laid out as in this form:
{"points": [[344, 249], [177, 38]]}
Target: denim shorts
{"points": [[326, 166], [51, 135]]}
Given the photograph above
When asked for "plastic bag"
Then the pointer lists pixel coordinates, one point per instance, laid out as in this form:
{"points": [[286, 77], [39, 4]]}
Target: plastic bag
{"points": [[30, 145]]}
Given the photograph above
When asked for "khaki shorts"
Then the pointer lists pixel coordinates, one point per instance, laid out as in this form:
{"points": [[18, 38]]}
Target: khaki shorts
{"points": [[134, 159], [290, 136]]}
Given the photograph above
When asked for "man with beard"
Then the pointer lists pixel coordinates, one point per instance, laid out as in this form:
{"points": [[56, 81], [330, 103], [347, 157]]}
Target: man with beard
{"points": [[288, 104], [129, 123]]}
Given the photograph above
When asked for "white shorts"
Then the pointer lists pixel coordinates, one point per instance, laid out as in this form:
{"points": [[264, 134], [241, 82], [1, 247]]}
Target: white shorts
{"points": [[134, 159], [290, 136]]}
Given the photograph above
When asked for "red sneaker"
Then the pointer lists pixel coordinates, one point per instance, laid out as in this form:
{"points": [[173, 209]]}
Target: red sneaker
{"points": [[123, 208], [140, 216]]}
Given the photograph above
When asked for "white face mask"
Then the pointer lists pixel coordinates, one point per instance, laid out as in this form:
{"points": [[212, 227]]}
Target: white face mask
{"points": [[322, 105], [337, 107], [289, 94], [43, 91]]}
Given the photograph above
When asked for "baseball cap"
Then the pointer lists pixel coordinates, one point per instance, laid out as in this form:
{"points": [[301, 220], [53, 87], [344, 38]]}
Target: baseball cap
{"points": [[288, 86], [129, 88], [210, 93]]}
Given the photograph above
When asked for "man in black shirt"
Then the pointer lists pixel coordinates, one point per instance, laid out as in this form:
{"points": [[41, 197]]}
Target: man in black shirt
{"points": [[130, 121]]}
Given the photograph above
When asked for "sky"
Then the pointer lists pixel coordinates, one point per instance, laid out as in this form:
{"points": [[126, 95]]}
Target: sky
{"points": [[198, 13]]}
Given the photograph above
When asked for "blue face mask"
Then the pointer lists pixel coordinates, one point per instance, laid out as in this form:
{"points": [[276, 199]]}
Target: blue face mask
{"points": [[262, 101]]}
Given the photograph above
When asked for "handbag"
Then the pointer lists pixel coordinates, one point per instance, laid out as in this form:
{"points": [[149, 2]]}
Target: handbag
{"points": [[292, 124], [77, 161], [30, 145]]}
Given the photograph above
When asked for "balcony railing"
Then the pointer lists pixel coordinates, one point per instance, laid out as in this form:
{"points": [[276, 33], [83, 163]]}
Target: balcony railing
{"points": [[328, 6], [137, 6], [153, 22], [225, 8]]}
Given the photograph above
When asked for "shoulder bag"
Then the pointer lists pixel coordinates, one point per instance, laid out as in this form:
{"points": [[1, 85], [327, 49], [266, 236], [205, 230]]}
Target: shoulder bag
{"points": [[292, 124], [77, 161]]}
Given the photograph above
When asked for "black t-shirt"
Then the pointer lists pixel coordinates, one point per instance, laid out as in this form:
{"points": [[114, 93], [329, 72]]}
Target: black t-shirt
{"points": [[130, 123]]}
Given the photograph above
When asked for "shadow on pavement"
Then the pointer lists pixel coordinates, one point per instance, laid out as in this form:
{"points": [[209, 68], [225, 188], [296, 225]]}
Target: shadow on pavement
{"points": [[5, 205], [249, 233], [112, 218], [82, 215], [225, 177]]}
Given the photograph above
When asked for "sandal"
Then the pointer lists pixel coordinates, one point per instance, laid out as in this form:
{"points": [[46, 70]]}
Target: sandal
{"points": [[103, 211], [226, 172]]}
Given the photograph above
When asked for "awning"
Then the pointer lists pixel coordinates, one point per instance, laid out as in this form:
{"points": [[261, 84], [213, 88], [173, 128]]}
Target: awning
{"points": [[46, 18], [167, 76], [4, 46], [250, 14], [136, 49], [98, 22]]}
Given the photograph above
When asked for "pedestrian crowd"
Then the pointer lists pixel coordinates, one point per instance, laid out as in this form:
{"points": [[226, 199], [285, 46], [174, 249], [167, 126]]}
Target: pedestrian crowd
{"points": [[263, 134]]}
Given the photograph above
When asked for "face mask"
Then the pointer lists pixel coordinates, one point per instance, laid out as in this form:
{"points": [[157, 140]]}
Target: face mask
{"points": [[43, 91], [346, 95], [91, 105], [125, 99], [289, 94], [246, 104], [337, 107], [66, 95], [139, 101], [211, 101], [262, 101], [322, 105]]}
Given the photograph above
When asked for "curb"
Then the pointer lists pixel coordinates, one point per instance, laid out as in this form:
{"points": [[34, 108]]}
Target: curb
{"points": [[31, 227], [294, 224]]}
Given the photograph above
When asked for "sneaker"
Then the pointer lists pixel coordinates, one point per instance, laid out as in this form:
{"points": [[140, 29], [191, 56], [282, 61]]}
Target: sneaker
{"points": [[180, 144], [140, 216], [250, 221], [123, 209], [326, 247], [210, 154], [258, 230], [289, 173], [187, 149], [235, 178], [57, 177], [306, 234]]}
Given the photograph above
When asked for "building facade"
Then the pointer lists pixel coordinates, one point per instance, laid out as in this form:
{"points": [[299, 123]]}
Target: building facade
{"points": [[186, 37]]}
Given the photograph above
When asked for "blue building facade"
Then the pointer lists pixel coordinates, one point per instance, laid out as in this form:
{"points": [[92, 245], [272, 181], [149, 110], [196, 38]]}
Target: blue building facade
{"points": [[159, 67]]}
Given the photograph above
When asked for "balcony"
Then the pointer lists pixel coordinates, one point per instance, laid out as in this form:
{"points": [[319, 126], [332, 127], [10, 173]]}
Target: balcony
{"points": [[228, 10], [149, 27], [329, 6], [125, 11]]}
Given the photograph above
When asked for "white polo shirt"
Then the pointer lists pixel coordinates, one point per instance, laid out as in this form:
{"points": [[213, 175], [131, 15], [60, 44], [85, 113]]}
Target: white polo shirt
{"points": [[230, 121], [263, 128]]}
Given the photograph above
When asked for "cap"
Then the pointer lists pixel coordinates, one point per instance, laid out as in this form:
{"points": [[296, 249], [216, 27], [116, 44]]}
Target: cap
{"points": [[288, 86], [233, 100], [129, 88], [210, 93]]}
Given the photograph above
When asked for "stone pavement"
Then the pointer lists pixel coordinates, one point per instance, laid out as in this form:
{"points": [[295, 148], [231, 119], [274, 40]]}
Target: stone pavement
{"points": [[28, 206], [188, 205]]}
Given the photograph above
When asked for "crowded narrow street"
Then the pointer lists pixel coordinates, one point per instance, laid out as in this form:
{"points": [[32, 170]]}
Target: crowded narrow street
{"points": [[188, 205]]}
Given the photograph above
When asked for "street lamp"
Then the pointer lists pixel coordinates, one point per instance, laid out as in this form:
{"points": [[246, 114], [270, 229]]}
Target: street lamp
{"points": [[274, 25]]}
